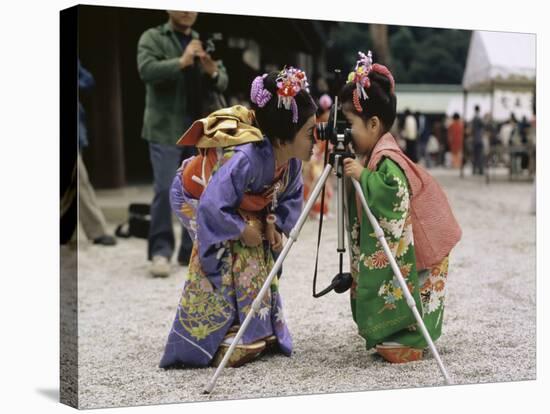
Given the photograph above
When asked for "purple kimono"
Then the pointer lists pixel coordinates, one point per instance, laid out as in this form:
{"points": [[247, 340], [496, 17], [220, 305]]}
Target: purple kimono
{"points": [[225, 275]]}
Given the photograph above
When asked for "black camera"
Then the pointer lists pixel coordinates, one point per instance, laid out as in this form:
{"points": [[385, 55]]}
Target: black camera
{"points": [[209, 41], [336, 130]]}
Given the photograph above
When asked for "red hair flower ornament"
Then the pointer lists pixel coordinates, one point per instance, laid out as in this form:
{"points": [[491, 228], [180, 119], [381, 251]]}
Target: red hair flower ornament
{"points": [[289, 83], [360, 76]]}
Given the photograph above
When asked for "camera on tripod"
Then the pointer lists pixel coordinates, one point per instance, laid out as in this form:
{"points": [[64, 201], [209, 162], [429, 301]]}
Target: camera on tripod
{"points": [[209, 41], [337, 131]]}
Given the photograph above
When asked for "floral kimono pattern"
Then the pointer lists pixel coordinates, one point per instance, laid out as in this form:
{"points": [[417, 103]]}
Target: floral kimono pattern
{"points": [[378, 304], [225, 275]]}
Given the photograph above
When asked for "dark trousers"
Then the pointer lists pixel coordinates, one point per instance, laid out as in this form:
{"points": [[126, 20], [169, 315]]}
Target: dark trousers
{"points": [[165, 160], [478, 158], [411, 150]]}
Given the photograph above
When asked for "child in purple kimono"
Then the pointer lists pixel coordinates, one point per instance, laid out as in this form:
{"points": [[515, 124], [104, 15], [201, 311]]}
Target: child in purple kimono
{"points": [[236, 198]]}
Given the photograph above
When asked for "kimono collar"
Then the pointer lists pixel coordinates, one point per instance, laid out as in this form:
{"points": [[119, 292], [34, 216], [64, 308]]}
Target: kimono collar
{"points": [[386, 142], [271, 164], [269, 158]]}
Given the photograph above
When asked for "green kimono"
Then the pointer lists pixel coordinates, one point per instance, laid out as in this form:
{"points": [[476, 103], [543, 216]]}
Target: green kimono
{"points": [[378, 304]]}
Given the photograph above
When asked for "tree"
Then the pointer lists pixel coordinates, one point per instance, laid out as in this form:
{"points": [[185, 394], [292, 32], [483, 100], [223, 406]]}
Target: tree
{"points": [[380, 43], [403, 46], [413, 54], [346, 40]]}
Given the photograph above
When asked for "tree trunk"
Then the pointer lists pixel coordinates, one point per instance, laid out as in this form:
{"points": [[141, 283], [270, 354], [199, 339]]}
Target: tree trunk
{"points": [[380, 42]]}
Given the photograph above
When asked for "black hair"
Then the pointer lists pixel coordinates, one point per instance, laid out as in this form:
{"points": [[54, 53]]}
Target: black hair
{"points": [[275, 122], [456, 116], [381, 102]]}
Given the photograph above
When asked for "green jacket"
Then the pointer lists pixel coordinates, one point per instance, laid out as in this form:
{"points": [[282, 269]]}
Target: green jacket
{"points": [[167, 116]]}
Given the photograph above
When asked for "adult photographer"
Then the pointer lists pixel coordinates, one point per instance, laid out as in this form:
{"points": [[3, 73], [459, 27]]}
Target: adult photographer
{"points": [[180, 79]]}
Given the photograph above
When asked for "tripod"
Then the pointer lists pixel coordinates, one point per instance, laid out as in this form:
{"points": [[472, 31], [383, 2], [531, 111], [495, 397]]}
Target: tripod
{"points": [[342, 281]]}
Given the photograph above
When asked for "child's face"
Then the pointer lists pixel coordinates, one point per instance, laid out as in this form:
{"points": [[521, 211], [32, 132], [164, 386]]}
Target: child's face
{"points": [[302, 146], [365, 133]]}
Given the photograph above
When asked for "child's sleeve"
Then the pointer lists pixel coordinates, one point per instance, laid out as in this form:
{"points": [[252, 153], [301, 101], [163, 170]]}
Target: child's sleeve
{"points": [[217, 216], [387, 194], [291, 201]]}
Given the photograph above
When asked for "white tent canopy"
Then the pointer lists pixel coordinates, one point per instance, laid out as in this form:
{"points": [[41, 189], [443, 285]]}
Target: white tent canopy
{"points": [[500, 58]]}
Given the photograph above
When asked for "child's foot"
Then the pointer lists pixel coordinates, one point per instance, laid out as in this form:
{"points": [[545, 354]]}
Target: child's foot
{"points": [[397, 353]]}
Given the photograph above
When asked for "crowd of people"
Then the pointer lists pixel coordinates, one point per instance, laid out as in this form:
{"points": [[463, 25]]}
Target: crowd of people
{"points": [[451, 142]]}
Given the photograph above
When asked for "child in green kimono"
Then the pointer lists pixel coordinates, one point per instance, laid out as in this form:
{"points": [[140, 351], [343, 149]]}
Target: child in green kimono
{"points": [[414, 214]]}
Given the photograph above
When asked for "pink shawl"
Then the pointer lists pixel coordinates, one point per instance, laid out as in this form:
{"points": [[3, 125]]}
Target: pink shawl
{"points": [[435, 228]]}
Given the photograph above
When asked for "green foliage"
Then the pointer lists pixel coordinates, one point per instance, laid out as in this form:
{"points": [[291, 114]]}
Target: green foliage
{"points": [[418, 54], [345, 41]]}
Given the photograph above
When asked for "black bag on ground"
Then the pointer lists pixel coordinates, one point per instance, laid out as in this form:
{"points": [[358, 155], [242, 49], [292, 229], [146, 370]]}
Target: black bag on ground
{"points": [[139, 221]]}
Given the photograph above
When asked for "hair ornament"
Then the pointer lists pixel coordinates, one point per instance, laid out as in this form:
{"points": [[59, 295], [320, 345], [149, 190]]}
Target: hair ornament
{"points": [[289, 83], [258, 94]]}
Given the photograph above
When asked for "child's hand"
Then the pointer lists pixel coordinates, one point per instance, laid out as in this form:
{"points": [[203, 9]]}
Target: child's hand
{"points": [[274, 238], [251, 236], [352, 168]]}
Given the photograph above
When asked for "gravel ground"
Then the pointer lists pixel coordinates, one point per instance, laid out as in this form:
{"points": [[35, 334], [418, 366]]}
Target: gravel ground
{"points": [[489, 329]]}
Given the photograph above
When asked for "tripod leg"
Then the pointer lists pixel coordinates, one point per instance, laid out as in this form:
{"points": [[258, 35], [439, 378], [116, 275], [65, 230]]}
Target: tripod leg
{"points": [[293, 237], [347, 223], [397, 272]]}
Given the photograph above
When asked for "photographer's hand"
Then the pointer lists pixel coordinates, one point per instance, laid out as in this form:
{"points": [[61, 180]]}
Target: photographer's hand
{"points": [[353, 168], [208, 64], [193, 49], [251, 236], [274, 238]]}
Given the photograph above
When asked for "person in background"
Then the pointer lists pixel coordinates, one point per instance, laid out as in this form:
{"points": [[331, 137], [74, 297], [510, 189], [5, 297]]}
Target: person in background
{"points": [[396, 132], [90, 215], [477, 135], [455, 135], [531, 137], [177, 72], [523, 129], [508, 136], [424, 132], [410, 133], [313, 169], [440, 132]]}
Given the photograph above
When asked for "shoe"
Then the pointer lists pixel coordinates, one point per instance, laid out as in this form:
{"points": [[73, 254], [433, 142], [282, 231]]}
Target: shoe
{"points": [[397, 353], [160, 267], [241, 354], [271, 344], [105, 240]]}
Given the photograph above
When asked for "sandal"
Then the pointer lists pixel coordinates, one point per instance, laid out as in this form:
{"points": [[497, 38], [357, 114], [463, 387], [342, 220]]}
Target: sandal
{"points": [[271, 343], [241, 354], [399, 354]]}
